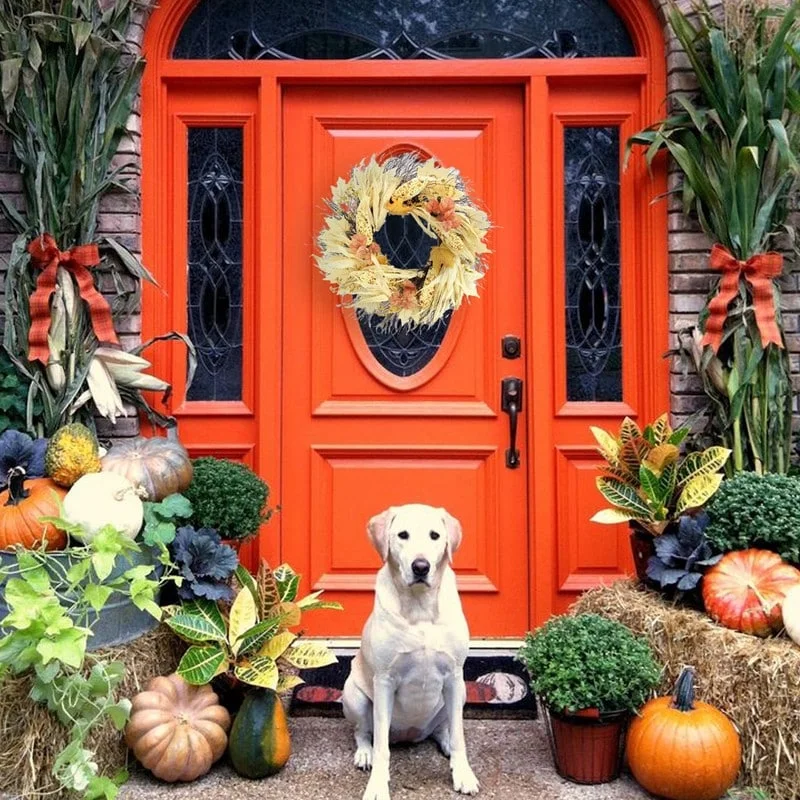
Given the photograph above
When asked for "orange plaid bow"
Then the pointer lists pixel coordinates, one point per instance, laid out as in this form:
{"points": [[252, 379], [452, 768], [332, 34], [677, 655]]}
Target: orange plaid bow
{"points": [[46, 256], [758, 272]]}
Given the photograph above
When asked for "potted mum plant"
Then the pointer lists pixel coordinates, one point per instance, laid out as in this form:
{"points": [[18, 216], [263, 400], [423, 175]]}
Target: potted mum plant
{"points": [[649, 484], [590, 674], [228, 497]]}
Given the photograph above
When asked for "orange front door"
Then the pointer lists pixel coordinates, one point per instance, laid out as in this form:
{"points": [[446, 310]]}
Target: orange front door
{"points": [[369, 424]]}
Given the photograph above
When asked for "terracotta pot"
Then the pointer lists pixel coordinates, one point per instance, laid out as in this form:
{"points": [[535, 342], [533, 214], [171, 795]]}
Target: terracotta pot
{"points": [[642, 547], [587, 749]]}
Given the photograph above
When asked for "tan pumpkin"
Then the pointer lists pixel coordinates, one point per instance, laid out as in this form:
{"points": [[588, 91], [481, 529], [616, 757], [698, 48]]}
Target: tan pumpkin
{"points": [[176, 730], [159, 466]]}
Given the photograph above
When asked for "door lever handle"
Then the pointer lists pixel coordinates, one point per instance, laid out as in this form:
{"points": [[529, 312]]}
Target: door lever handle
{"points": [[511, 404]]}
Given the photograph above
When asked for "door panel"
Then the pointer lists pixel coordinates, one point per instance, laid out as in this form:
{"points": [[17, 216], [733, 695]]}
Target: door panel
{"points": [[358, 438]]}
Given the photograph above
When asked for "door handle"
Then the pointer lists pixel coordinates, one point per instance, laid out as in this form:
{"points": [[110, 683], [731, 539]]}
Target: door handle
{"points": [[511, 404]]}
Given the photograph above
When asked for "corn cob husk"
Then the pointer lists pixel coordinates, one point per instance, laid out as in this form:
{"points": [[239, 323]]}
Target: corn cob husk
{"points": [[104, 391]]}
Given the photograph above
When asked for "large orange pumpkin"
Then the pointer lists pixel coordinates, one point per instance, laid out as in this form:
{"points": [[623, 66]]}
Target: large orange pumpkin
{"points": [[22, 505], [177, 731], [744, 591], [683, 749]]}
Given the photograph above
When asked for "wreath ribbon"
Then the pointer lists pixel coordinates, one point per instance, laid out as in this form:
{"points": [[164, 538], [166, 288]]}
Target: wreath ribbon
{"points": [[46, 256], [759, 271]]}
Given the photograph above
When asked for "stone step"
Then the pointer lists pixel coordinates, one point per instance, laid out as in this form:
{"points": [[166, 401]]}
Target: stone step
{"points": [[511, 759]]}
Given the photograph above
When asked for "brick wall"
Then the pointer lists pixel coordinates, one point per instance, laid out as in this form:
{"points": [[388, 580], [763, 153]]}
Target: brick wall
{"points": [[689, 280]]}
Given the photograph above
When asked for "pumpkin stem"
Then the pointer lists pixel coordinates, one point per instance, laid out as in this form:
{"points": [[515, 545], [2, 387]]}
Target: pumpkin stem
{"points": [[683, 699], [16, 486]]}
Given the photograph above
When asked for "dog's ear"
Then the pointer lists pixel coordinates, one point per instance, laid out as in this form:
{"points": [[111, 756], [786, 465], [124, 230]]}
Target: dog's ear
{"points": [[378, 532], [453, 528]]}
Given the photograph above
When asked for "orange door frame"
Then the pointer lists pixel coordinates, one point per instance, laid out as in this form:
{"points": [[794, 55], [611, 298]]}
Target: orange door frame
{"points": [[625, 91]]}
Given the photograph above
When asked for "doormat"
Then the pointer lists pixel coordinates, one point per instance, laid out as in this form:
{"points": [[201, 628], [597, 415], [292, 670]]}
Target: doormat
{"points": [[497, 686]]}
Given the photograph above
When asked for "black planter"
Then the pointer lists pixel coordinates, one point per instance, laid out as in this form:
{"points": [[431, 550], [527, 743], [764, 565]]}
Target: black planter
{"points": [[587, 749], [642, 547]]}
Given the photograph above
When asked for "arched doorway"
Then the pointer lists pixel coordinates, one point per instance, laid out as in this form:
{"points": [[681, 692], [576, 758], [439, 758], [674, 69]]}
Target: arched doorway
{"points": [[251, 110]]}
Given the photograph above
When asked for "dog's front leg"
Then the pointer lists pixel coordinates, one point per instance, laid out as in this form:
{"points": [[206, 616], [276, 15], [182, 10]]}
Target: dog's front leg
{"points": [[383, 690], [455, 694]]}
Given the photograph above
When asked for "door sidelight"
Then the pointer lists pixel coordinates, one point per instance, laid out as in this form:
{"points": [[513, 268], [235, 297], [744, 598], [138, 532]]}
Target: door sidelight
{"points": [[511, 403]]}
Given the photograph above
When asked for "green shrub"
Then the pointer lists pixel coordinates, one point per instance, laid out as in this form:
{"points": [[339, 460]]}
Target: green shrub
{"points": [[752, 510], [227, 496], [14, 397], [588, 661]]}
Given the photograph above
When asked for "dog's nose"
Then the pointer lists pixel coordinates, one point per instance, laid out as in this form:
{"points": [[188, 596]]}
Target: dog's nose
{"points": [[420, 567]]}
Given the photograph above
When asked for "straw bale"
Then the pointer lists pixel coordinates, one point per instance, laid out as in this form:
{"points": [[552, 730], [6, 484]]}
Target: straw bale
{"points": [[31, 737], [755, 681]]}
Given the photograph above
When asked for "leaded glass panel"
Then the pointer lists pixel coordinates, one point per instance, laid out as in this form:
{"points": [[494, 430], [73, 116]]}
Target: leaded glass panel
{"points": [[591, 213], [215, 261], [403, 351], [402, 29]]}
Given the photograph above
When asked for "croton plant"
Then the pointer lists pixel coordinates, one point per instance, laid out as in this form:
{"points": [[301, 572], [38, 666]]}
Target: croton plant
{"points": [[646, 480], [253, 637]]}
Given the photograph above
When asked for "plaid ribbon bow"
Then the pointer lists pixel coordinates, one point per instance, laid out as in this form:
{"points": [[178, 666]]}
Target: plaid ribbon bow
{"points": [[759, 270], [46, 256]]}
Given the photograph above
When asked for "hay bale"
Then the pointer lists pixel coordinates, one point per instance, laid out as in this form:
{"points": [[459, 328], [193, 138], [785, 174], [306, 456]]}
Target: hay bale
{"points": [[755, 681], [31, 737]]}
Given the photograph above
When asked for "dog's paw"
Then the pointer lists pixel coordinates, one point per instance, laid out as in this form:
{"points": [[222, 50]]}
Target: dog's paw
{"points": [[464, 780], [363, 757], [377, 789]]}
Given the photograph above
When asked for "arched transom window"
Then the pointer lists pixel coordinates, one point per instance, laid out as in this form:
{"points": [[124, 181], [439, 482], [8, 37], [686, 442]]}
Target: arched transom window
{"points": [[407, 29]]}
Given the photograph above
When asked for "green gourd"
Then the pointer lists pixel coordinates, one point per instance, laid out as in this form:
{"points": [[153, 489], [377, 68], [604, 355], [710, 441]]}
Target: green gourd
{"points": [[259, 743]]}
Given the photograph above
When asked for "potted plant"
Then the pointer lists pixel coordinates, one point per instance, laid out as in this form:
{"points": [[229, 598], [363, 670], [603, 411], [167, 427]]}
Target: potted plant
{"points": [[648, 483], [250, 645], [590, 673], [757, 511], [228, 497], [735, 143], [52, 608]]}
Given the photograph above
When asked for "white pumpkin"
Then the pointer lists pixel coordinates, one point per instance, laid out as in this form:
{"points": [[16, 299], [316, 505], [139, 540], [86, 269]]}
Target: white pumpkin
{"points": [[791, 614], [104, 498]]}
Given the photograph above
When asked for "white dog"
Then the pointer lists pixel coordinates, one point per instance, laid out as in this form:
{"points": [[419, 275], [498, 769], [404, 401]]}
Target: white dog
{"points": [[407, 680]]}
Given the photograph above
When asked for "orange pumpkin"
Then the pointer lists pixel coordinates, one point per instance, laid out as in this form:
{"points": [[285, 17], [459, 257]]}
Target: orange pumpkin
{"points": [[683, 749], [22, 505], [744, 591], [177, 731]]}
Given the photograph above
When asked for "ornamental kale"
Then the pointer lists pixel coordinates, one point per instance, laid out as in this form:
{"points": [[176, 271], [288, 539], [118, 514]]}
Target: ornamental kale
{"points": [[17, 449], [682, 558], [204, 562]]}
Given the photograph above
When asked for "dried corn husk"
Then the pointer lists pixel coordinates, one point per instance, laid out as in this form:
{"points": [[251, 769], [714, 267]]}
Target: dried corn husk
{"points": [[104, 391]]}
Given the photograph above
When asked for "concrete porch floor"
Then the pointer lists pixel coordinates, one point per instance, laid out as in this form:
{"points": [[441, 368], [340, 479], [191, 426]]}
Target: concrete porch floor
{"points": [[510, 757]]}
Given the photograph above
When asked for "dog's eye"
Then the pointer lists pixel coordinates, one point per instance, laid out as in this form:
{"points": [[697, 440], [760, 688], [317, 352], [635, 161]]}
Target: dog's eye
{"points": [[402, 535], [434, 535]]}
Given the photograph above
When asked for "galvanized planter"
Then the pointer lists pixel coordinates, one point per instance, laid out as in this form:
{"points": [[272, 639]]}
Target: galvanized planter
{"points": [[119, 621]]}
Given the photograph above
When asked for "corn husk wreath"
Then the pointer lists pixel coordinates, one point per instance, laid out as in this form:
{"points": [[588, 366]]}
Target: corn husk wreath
{"points": [[352, 261]]}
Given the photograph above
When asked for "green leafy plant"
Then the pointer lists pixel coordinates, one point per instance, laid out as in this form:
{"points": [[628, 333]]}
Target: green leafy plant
{"points": [[753, 510], [53, 602], [69, 81], [161, 519], [736, 145], [229, 497], [646, 480], [589, 662], [253, 637], [14, 388]]}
